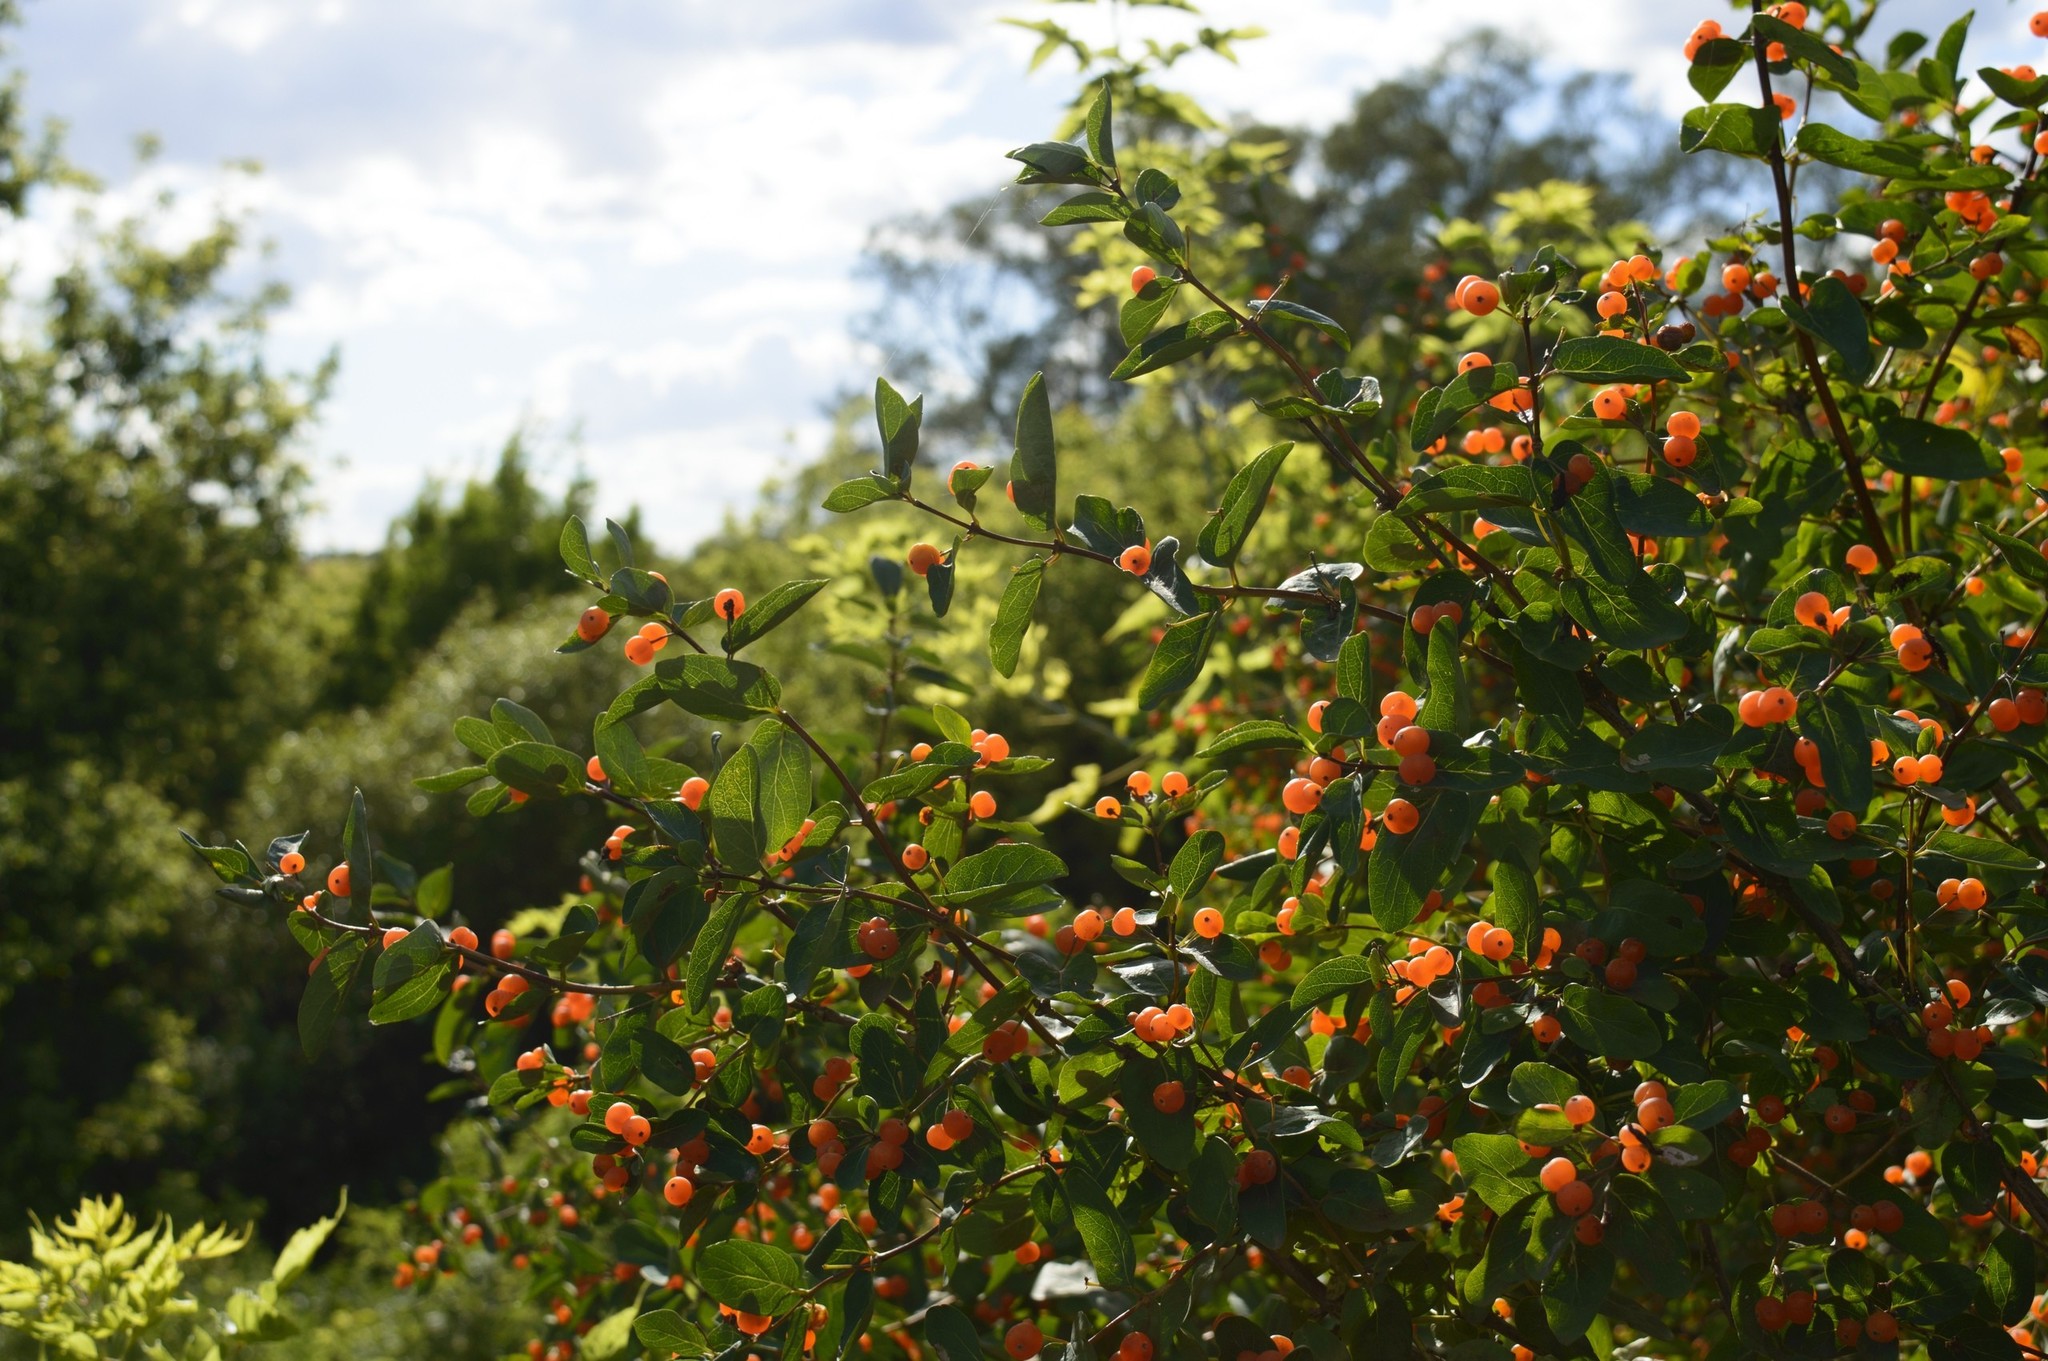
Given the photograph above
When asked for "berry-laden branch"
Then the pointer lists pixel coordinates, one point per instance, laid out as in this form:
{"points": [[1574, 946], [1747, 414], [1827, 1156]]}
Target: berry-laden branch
{"points": [[1662, 957]]}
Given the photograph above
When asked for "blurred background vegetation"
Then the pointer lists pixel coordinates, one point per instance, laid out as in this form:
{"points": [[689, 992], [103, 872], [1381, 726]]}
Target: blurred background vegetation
{"points": [[171, 657]]}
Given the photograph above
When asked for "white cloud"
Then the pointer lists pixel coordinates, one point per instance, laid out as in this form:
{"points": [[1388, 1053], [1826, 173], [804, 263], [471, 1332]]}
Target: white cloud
{"points": [[641, 222]]}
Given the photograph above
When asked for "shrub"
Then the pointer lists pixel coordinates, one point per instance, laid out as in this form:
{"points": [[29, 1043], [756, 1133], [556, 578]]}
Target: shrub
{"points": [[99, 1287], [1604, 910]]}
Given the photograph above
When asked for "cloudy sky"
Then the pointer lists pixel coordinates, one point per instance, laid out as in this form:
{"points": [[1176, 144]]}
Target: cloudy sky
{"points": [[637, 221]]}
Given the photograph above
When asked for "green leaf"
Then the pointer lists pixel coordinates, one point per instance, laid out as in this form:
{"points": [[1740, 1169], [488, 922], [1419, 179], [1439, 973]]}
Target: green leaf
{"points": [[1144, 309], [1101, 137], [1887, 160], [1496, 1169], [772, 609], [230, 864], [1194, 862], [610, 1336], [298, 1251], [446, 782], [1472, 486], [333, 973], [1831, 315], [1655, 507], [411, 978], [1092, 205], [1333, 978], [710, 687], [1981, 850], [1635, 617], [1610, 1026], [1446, 708], [1403, 868], [783, 781], [751, 1277], [1176, 343], [1801, 45], [1717, 62], [2023, 94], [1924, 449], [1440, 409], [1738, 129], [1257, 734], [991, 874], [1013, 615], [1833, 722], [1056, 163], [708, 952], [1034, 466], [1267, 308], [897, 421], [1244, 500], [537, 768], [952, 1334], [734, 811], [575, 549], [362, 865], [2020, 555], [859, 492], [1611, 359], [1177, 661], [1575, 1288], [667, 1333], [1109, 1243]]}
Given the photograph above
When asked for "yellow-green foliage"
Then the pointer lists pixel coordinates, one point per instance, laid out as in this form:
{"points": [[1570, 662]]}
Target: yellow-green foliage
{"points": [[97, 1285]]}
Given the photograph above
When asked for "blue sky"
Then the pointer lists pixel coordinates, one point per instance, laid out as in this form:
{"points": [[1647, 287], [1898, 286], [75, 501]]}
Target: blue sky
{"points": [[636, 222]]}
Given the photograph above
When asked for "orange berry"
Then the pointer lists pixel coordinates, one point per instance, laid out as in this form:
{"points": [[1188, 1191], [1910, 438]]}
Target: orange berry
{"points": [[728, 604], [1208, 923], [338, 880], [1400, 817]]}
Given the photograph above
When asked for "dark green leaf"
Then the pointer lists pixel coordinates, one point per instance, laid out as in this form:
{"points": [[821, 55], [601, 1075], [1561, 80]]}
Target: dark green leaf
{"points": [[1612, 359], [1034, 466], [1924, 449], [1176, 343], [751, 1277], [1244, 500], [1177, 661], [1013, 615]]}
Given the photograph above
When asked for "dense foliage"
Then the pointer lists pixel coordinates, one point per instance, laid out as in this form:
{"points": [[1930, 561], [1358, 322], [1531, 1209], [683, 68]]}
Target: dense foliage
{"points": [[1580, 890]]}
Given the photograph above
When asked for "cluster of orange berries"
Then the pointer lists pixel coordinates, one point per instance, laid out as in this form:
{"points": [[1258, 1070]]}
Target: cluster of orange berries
{"points": [[1161, 1025], [1613, 299], [1681, 438], [1938, 1016], [1739, 283], [1087, 928], [2029, 706], [1763, 708], [877, 938], [1138, 784], [1973, 206]]}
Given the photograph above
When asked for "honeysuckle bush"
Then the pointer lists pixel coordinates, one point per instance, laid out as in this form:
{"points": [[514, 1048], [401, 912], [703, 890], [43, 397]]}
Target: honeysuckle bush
{"points": [[1587, 899]]}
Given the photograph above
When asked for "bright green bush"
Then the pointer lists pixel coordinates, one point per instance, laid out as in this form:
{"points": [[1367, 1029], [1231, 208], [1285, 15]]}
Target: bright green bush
{"points": [[1602, 911], [97, 1285]]}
